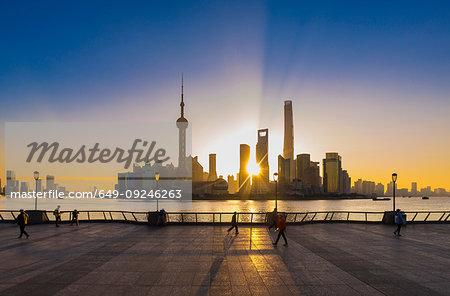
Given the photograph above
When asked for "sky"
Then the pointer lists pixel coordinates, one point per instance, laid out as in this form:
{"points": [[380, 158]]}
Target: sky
{"points": [[368, 80]]}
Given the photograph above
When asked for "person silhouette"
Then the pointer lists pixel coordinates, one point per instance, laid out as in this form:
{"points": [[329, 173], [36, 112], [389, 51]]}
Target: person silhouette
{"points": [[22, 220], [57, 214], [234, 223], [75, 217], [398, 222], [281, 229]]}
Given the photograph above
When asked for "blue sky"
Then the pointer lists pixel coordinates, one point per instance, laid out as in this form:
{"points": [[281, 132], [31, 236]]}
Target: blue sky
{"points": [[343, 63]]}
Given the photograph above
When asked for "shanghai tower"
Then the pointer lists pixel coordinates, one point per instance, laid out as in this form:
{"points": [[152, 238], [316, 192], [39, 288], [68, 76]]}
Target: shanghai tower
{"points": [[288, 147]]}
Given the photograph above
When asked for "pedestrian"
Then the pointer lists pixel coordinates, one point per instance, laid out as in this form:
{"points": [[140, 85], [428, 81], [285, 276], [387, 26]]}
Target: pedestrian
{"points": [[282, 230], [234, 223], [398, 222], [273, 218], [162, 218], [57, 214], [75, 217], [22, 220]]}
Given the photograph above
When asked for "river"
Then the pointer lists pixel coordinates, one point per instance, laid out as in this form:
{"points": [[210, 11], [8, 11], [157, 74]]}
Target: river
{"points": [[404, 203]]}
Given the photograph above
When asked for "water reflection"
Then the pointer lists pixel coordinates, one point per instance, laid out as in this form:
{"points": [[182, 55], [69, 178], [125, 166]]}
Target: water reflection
{"points": [[406, 204]]}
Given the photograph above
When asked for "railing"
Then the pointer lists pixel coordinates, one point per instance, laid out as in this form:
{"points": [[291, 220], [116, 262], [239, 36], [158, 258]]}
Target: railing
{"points": [[243, 217]]}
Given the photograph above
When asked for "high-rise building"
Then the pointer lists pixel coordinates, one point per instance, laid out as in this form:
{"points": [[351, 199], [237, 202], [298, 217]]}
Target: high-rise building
{"points": [[311, 176], [212, 176], [368, 187], [331, 172], [262, 152], [390, 188], [414, 191], [197, 170], [284, 170], [50, 183], [288, 146], [379, 189], [233, 184], [244, 178], [182, 124], [345, 183], [303, 162], [260, 182], [12, 185], [357, 188], [23, 187]]}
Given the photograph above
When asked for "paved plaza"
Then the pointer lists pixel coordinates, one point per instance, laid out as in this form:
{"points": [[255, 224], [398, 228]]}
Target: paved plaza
{"points": [[321, 259]]}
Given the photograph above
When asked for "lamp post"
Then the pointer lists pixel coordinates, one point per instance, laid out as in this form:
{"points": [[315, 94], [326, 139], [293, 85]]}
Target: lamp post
{"points": [[394, 179], [36, 177], [275, 178], [157, 187]]}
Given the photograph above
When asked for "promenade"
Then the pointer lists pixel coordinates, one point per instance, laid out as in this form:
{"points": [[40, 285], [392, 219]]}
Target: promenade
{"points": [[321, 259]]}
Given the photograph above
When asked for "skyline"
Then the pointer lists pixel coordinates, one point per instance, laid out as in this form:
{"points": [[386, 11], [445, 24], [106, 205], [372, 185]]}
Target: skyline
{"points": [[361, 78]]}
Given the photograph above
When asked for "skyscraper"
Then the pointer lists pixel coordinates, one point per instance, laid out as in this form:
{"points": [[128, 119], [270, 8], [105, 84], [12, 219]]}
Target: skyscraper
{"points": [[50, 183], [197, 170], [288, 146], [284, 168], [262, 149], [244, 178], [311, 176], [212, 176], [182, 124], [233, 184], [331, 172], [260, 183], [414, 191], [346, 183], [302, 163]]}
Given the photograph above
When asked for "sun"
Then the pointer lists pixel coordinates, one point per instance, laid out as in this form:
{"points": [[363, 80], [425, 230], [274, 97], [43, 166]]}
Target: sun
{"points": [[253, 168]]}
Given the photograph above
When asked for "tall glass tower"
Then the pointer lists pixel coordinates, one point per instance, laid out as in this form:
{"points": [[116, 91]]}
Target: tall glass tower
{"points": [[288, 147]]}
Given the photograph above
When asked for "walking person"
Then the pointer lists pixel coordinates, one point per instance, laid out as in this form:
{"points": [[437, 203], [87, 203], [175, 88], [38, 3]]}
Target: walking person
{"points": [[22, 220], [273, 219], [75, 217], [57, 214], [282, 230], [398, 222], [234, 223]]}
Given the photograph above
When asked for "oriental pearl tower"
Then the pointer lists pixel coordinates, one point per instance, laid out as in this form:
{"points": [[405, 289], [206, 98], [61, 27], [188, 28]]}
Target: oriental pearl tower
{"points": [[182, 125]]}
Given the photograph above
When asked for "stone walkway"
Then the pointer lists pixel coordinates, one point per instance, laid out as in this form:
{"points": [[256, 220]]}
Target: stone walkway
{"points": [[321, 259]]}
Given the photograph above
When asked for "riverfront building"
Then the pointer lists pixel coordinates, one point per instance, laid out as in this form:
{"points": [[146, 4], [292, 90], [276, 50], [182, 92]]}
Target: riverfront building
{"points": [[244, 177], [288, 146], [331, 172]]}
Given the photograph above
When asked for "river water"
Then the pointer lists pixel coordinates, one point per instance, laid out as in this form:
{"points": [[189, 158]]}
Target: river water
{"points": [[404, 203]]}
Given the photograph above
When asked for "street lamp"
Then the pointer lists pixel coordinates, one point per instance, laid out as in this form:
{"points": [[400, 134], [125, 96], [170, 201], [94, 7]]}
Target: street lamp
{"points": [[36, 177], [275, 178], [394, 179], [157, 187]]}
